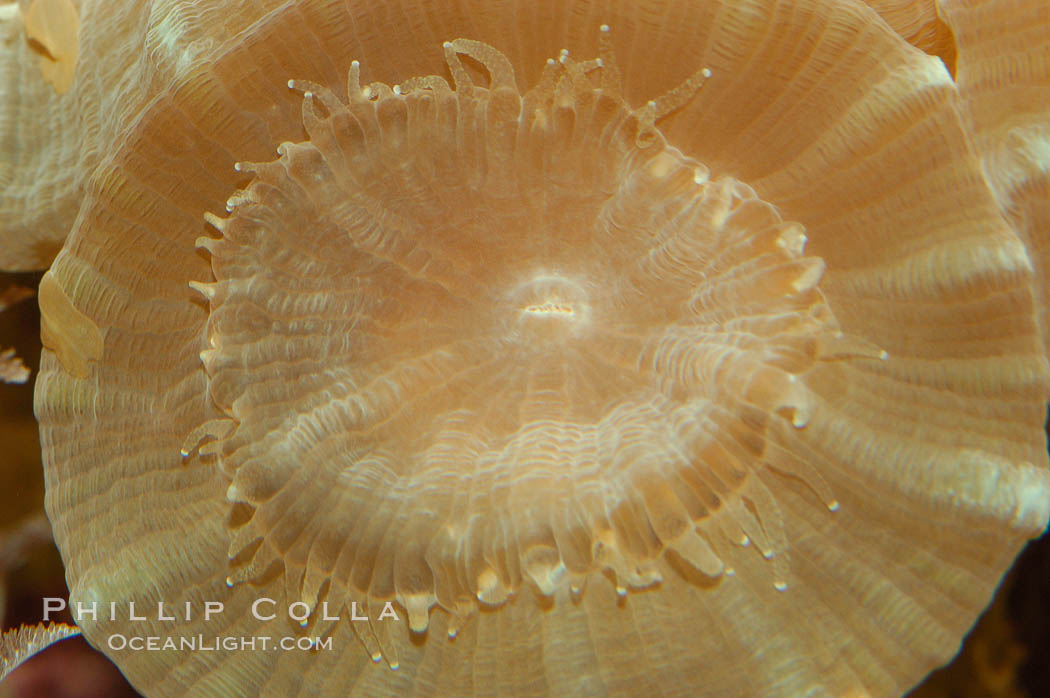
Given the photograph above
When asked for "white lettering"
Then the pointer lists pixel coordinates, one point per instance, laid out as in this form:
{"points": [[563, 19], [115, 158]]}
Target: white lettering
{"points": [[53, 604], [388, 611], [82, 611], [212, 607], [302, 616], [160, 612], [255, 609]]}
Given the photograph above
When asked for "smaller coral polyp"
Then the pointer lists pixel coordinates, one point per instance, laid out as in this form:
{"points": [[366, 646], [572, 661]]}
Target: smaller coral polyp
{"points": [[465, 339]]}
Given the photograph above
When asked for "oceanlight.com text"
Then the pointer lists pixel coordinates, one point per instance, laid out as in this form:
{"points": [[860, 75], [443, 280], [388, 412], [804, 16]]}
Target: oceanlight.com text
{"points": [[228, 643]]}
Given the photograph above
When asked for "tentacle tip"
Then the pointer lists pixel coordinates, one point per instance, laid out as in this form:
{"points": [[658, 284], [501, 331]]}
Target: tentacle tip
{"points": [[215, 222], [203, 288], [706, 72], [206, 243], [780, 585]]}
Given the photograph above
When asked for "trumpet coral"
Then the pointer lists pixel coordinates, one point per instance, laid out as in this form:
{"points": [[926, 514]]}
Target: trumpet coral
{"points": [[666, 349]]}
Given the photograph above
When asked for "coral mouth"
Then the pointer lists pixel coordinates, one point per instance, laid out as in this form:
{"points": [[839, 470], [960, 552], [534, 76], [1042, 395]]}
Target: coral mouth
{"points": [[468, 339]]}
